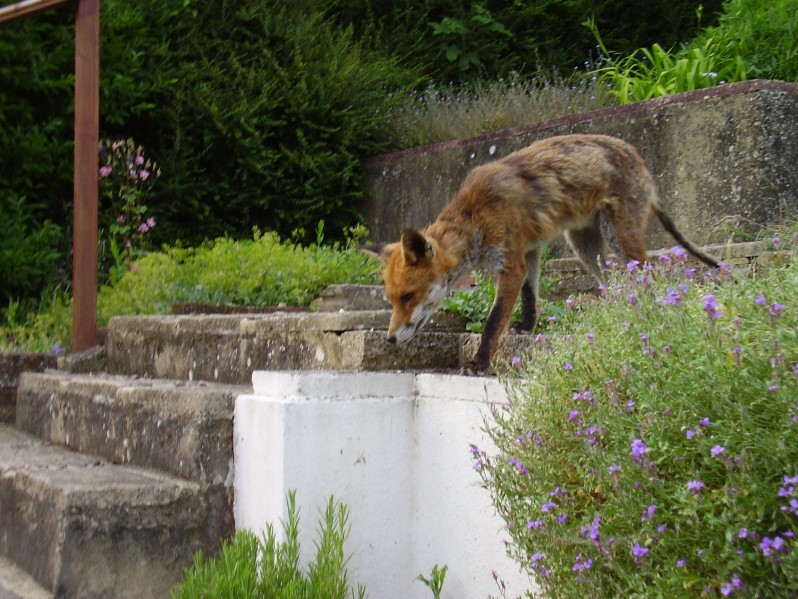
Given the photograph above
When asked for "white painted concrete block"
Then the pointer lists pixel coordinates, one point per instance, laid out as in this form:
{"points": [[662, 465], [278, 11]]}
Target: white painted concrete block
{"points": [[394, 447]]}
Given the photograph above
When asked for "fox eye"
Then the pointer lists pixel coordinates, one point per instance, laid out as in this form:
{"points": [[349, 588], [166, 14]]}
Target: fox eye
{"points": [[405, 298]]}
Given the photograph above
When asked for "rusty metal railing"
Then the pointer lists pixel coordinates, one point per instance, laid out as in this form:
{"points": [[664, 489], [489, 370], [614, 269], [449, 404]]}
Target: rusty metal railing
{"points": [[87, 126]]}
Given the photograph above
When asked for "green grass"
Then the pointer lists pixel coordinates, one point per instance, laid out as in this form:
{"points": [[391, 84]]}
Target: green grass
{"points": [[650, 448]]}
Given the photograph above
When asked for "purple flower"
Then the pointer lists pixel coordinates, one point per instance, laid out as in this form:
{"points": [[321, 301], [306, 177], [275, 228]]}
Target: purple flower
{"points": [[705, 422], [680, 563], [770, 546], [535, 524], [536, 557], [562, 518], [581, 564], [743, 533], [717, 450], [632, 297], [573, 415], [568, 366], [695, 486], [649, 512], [632, 266], [638, 449], [516, 360], [689, 433], [679, 253], [548, 507], [106, 170], [775, 309], [614, 469], [760, 301], [711, 307], [139, 160], [639, 552], [673, 298]]}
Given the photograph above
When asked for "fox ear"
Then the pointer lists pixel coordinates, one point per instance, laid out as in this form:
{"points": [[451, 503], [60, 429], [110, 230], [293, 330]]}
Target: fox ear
{"points": [[380, 251], [415, 247]]}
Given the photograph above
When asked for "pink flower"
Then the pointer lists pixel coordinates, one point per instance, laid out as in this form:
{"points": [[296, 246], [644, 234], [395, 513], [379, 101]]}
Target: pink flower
{"points": [[144, 174], [105, 170], [139, 160], [151, 222], [143, 228]]}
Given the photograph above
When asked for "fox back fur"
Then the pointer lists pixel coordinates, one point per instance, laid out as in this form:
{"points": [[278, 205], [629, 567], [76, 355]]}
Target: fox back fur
{"points": [[594, 189]]}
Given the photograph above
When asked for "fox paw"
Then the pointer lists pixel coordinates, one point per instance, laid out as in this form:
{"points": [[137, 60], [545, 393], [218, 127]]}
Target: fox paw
{"points": [[518, 329], [473, 369]]}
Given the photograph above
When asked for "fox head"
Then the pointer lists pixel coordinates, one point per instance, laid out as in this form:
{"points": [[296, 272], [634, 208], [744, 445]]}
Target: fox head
{"points": [[414, 271]]}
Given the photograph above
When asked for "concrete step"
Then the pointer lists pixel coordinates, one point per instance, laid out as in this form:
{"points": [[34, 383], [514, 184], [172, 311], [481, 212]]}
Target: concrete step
{"points": [[15, 583], [182, 428], [82, 527], [228, 348]]}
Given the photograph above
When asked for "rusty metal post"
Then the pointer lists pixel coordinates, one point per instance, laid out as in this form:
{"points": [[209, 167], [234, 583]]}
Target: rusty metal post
{"points": [[87, 118]]}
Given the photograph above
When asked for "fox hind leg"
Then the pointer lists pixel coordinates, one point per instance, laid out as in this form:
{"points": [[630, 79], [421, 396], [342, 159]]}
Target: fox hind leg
{"points": [[589, 243], [625, 233]]}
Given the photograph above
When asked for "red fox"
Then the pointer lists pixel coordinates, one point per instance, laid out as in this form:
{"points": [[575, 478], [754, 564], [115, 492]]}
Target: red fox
{"points": [[595, 189]]}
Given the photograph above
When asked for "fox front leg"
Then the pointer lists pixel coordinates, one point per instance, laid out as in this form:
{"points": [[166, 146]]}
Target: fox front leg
{"points": [[508, 287]]}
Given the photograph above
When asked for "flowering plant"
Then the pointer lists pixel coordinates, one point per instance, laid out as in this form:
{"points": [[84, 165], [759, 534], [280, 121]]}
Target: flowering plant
{"points": [[125, 178], [663, 462]]}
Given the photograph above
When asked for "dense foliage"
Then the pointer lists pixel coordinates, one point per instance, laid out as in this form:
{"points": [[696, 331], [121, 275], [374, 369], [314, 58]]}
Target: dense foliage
{"points": [[260, 113], [650, 448]]}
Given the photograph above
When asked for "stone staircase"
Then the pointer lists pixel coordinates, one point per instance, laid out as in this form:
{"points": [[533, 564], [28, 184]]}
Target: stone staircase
{"points": [[118, 466]]}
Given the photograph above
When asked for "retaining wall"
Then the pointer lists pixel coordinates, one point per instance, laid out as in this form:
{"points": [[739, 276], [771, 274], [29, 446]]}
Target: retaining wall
{"points": [[724, 158], [394, 447]]}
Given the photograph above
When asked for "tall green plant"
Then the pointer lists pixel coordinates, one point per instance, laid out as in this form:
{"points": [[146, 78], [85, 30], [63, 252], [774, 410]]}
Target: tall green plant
{"points": [[269, 568], [753, 38]]}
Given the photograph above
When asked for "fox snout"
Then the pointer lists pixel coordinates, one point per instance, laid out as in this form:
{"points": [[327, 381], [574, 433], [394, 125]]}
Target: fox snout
{"points": [[402, 334]]}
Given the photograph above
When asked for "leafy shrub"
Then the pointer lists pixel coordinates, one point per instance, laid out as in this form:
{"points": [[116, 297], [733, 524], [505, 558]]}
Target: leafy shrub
{"points": [[266, 568], [650, 450], [258, 272], [268, 131], [28, 249]]}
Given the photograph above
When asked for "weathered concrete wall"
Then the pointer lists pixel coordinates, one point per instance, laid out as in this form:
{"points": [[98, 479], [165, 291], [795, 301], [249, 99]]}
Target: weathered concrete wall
{"points": [[724, 157]]}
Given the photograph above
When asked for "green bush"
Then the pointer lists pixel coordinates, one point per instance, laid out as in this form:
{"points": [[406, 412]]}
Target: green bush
{"points": [[272, 111], [650, 449], [28, 249], [266, 568]]}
